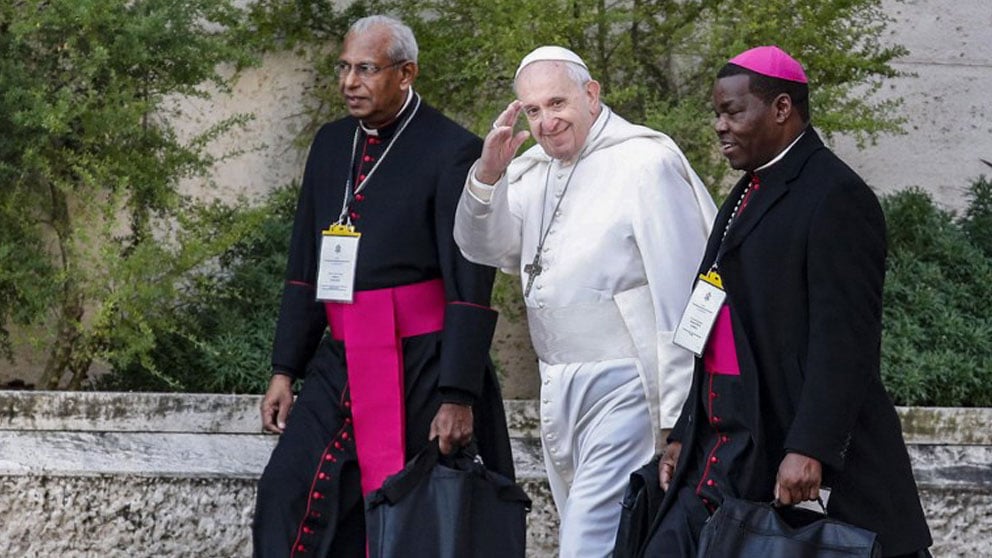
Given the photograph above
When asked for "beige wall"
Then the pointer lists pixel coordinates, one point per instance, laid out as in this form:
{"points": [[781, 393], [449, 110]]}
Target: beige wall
{"points": [[948, 103]]}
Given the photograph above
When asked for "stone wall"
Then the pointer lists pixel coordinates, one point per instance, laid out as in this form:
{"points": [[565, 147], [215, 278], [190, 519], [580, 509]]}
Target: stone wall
{"points": [[109, 474]]}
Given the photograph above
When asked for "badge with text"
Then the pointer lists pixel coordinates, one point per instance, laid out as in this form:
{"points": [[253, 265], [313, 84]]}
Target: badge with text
{"points": [[338, 258], [700, 314]]}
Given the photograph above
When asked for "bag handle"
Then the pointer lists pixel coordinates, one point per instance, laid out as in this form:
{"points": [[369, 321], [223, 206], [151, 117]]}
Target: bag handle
{"points": [[416, 470], [419, 468]]}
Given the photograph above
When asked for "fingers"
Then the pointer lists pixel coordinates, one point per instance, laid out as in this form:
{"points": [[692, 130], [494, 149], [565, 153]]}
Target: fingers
{"points": [[666, 466], [270, 411], [276, 403], [798, 479], [665, 473], [508, 117], [452, 426]]}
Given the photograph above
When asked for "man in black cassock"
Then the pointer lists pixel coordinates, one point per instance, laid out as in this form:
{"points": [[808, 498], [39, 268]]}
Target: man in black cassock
{"points": [[787, 397], [417, 330]]}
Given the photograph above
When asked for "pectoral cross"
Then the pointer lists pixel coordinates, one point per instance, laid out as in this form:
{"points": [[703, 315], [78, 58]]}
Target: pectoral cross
{"points": [[532, 270]]}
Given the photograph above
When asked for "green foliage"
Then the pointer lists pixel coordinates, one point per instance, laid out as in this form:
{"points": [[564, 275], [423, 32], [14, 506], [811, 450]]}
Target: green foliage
{"points": [[217, 335], [937, 338], [656, 59], [90, 166]]}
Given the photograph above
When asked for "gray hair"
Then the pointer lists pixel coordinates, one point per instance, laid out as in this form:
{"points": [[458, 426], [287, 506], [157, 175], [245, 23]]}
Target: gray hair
{"points": [[402, 47], [575, 72]]}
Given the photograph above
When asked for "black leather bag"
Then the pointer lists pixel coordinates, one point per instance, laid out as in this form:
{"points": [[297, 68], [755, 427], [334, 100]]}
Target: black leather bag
{"points": [[639, 506], [743, 529], [446, 507]]}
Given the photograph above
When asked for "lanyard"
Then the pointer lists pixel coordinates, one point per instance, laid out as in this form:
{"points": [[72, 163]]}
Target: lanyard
{"points": [[730, 221], [349, 195]]}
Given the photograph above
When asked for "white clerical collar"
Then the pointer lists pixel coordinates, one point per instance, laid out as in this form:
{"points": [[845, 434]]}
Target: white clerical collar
{"points": [[781, 155], [374, 132]]}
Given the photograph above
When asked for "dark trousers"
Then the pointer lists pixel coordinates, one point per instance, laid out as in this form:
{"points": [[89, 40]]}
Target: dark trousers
{"points": [[677, 534], [309, 500]]}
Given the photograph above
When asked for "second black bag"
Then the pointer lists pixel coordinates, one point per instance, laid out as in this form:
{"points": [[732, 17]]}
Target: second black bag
{"points": [[743, 529]]}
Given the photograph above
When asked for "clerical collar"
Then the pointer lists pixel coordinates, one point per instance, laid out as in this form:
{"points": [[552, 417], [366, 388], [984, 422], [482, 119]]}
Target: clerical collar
{"points": [[388, 129], [781, 155]]}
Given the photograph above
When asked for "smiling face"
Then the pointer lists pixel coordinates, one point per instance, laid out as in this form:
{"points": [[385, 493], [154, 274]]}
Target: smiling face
{"points": [[374, 99], [751, 130], [559, 111]]}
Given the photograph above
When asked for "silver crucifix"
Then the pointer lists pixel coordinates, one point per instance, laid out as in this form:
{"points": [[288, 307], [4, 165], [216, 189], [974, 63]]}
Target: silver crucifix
{"points": [[532, 270]]}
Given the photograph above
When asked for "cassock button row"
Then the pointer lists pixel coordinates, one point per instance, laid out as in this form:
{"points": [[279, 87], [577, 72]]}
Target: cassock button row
{"points": [[711, 482], [367, 158], [359, 197], [355, 216], [716, 420], [725, 439], [361, 177], [714, 459]]}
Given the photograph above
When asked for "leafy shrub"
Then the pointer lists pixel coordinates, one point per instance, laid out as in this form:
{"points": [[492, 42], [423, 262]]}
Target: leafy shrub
{"points": [[937, 337], [219, 337]]}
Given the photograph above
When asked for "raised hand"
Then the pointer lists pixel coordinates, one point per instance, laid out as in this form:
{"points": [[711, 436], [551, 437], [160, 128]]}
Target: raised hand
{"points": [[501, 145]]}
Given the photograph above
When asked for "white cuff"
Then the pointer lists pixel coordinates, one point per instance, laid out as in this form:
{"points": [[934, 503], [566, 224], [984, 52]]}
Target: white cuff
{"points": [[482, 192]]}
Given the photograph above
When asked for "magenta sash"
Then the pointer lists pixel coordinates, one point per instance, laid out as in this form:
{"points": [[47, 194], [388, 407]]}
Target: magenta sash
{"points": [[372, 328], [720, 354]]}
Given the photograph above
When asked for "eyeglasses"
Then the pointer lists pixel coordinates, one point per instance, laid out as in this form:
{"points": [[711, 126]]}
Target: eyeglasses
{"points": [[363, 70]]}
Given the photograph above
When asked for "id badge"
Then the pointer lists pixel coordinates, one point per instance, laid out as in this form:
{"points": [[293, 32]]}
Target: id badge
{"points": [[700, 314], [338, 259]]}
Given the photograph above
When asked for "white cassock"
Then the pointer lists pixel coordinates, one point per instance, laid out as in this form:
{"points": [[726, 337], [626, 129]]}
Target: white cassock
{"points": [[617, 266]]}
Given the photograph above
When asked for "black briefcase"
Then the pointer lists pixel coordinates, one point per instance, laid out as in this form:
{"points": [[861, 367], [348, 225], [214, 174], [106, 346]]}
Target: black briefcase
{"points": [[446, 507], [639, 506], [744, 529]]}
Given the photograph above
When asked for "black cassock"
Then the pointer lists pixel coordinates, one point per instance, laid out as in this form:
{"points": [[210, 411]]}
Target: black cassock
{"points": [[803, 268], [309, 500]]}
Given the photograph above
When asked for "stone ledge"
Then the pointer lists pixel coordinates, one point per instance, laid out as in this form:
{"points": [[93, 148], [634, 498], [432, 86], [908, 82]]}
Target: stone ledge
{"points": [[85, 474]]}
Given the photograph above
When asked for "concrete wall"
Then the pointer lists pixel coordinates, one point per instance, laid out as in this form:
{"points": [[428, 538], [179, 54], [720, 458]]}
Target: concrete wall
{"points": [[946, 101], [104, 474]]}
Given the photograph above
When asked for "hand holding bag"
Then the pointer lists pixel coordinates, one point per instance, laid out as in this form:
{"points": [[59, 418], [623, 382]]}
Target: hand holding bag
{"points": [[743, 529], [446, 507]]}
